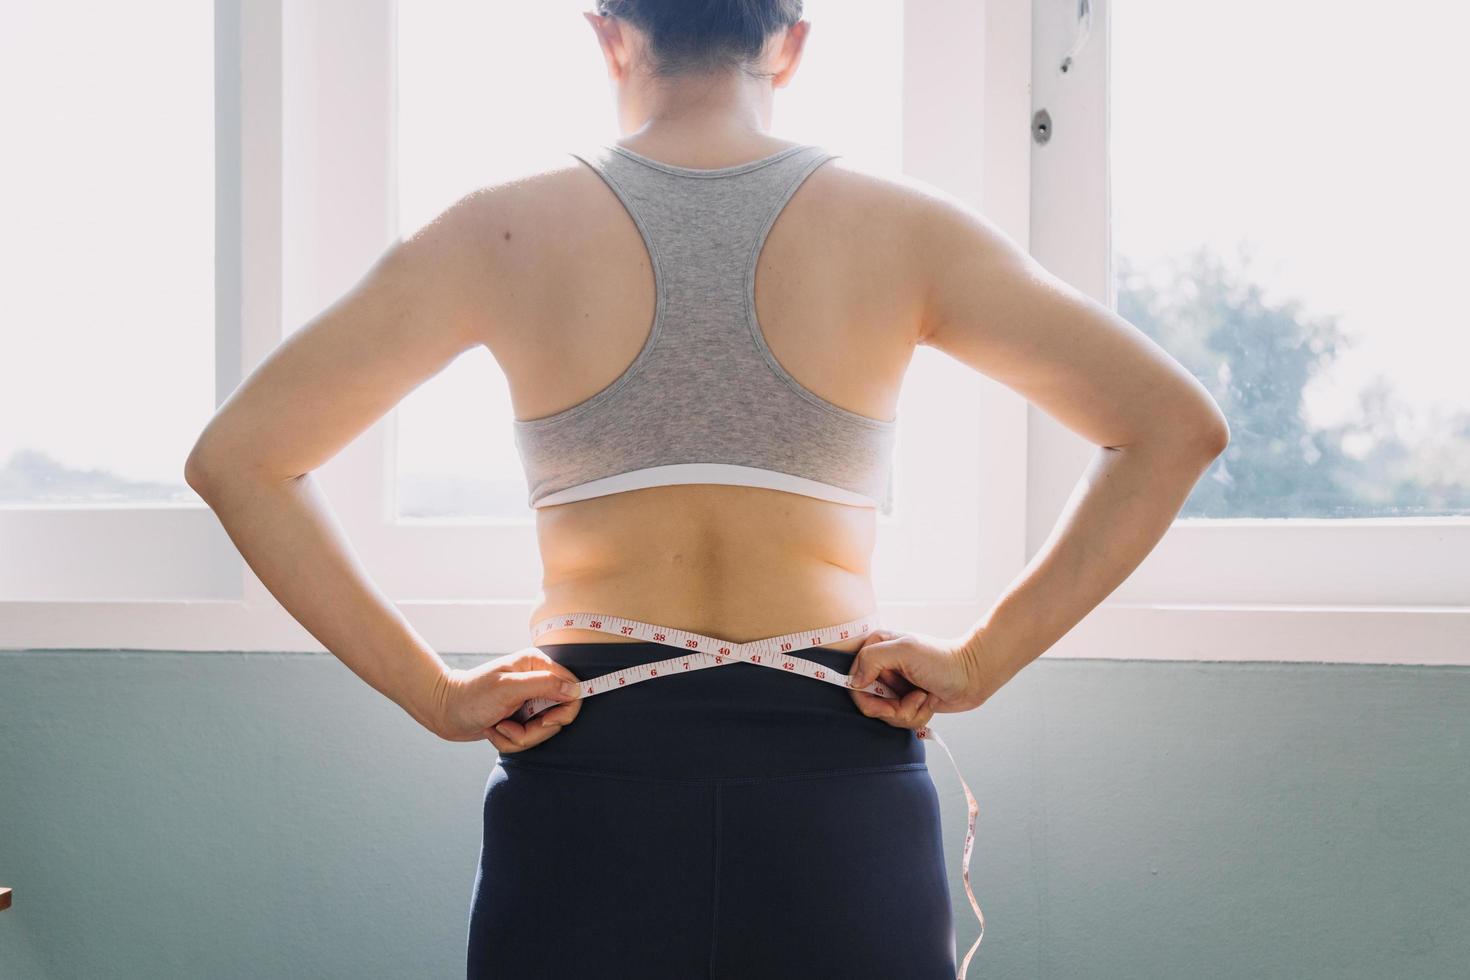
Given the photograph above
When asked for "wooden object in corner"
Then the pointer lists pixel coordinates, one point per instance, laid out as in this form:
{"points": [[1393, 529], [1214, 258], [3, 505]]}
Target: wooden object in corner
{"points": [[4, 899]]}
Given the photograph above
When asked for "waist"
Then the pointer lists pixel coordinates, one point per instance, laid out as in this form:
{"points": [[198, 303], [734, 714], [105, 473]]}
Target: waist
{"points": [[785, 602], [735, 720], [727, 560]]}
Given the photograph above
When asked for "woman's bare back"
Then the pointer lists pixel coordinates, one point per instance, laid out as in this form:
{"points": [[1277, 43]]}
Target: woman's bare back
{"points": [[838, 297]]}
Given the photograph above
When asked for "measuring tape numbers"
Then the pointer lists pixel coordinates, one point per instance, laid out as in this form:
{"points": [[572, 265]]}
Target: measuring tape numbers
{"points": [[698, 652]]}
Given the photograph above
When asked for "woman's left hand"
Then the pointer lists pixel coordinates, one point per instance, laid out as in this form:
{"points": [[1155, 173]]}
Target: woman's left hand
{"points": [[478, 702]]}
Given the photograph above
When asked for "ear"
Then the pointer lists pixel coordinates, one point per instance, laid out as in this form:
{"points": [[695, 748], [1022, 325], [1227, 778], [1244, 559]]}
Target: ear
{"points": [[611, 40], [788, 55]]}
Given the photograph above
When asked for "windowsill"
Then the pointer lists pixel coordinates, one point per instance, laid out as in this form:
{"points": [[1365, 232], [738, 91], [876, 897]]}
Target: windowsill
{"points": [[1114, 631]]}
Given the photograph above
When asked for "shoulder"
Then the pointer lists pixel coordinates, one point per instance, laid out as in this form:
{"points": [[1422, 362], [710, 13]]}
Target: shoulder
{"points": [[522, 201], [957, 255], [879, 193], [922, 219], [488, 246], [926, 238]]}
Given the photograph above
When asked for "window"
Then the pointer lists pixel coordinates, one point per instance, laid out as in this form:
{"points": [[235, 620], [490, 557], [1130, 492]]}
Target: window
{"points": [[1267, 232], [111, 350], [254, 161], [107, 187], [1281, 223]]}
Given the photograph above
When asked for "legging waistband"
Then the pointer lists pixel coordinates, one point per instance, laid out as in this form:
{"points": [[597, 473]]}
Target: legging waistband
{"points": [[740, 720]]}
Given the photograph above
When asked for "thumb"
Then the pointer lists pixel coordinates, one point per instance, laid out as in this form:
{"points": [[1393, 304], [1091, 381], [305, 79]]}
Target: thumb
{"points": [[870, 660], [522, 685]]}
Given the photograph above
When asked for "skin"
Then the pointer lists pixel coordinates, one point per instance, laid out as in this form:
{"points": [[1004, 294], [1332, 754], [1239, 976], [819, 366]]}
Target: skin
{"points": [[857, 272]]}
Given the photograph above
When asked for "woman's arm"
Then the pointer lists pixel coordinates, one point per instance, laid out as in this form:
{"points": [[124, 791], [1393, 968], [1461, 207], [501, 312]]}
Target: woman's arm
{"points": [[420, 305], [996, 309]]}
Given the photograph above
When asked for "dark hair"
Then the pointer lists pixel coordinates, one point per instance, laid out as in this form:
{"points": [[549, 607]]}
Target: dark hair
{"points": [[704, 35]]}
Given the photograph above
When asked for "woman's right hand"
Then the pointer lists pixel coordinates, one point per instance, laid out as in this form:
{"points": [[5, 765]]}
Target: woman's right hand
{"points": [[929, 675], [478, 702]]}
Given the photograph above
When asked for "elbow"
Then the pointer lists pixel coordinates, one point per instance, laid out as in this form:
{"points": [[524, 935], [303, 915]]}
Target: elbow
{"points": [[208, 466], [198, 471], [1204, 436], [210, 469], [1213, 435], [1200, 425]]}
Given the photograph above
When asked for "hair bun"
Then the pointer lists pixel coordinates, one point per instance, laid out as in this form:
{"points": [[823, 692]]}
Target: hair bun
{"points": [[700, 36]]}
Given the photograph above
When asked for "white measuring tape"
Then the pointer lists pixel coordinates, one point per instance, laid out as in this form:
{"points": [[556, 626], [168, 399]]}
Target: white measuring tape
{"points": [[777, 652]]}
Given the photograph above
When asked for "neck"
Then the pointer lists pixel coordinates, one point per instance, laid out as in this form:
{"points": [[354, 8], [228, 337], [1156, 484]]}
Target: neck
{"points": [[708, 111]]}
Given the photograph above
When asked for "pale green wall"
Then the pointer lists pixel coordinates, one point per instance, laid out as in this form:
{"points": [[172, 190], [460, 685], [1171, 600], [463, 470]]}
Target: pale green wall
{"points": [[260, 815]]}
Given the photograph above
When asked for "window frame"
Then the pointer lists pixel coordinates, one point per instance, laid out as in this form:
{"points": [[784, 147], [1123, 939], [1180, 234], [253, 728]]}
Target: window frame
{"points": [[306, 93], [1216, 589], [57, 557]]}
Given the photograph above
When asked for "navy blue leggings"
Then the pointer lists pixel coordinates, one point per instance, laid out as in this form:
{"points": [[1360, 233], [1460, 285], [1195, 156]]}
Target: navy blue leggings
{"points": [[733, 822]]}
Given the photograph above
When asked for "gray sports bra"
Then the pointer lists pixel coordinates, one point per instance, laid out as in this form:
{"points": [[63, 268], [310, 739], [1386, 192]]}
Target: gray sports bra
{"points": [[705, 400]]}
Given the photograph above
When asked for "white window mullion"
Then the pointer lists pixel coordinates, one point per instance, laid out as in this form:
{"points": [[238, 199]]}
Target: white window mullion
{"points": [[1069, 215], [955, 540], [260, 233], [340, 215], [336, 208]]}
